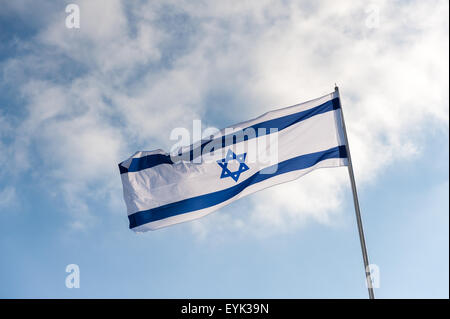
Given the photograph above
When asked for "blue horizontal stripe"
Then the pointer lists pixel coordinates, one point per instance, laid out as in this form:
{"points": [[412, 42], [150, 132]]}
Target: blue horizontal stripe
{"points": [[279, 124], [212, 199], [138, 164]]}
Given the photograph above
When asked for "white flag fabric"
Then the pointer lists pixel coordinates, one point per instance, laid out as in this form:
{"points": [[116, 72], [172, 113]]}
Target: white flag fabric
{"points": [[162, 189]]}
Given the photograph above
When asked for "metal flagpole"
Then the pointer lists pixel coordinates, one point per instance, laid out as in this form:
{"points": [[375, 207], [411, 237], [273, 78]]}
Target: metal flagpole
{"points": [[356, 203]]}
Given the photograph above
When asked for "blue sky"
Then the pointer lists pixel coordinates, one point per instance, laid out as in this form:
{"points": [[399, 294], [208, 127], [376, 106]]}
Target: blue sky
{"points": [[75, 102]]}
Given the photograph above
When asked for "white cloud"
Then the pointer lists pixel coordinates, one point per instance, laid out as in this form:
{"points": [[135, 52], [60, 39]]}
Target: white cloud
{"points": [[136, 72]]}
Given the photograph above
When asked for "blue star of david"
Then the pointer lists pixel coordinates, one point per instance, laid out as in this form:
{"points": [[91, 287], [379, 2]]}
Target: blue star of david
{"points": [[224, 164]]}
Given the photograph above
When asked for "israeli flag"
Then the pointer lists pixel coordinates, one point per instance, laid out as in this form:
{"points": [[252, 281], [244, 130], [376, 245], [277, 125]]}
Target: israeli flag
{"points": [[162, 189]]}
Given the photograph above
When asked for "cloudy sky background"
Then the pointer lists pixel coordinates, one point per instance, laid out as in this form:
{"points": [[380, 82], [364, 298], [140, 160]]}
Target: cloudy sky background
{"points": [[75, 102]]}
